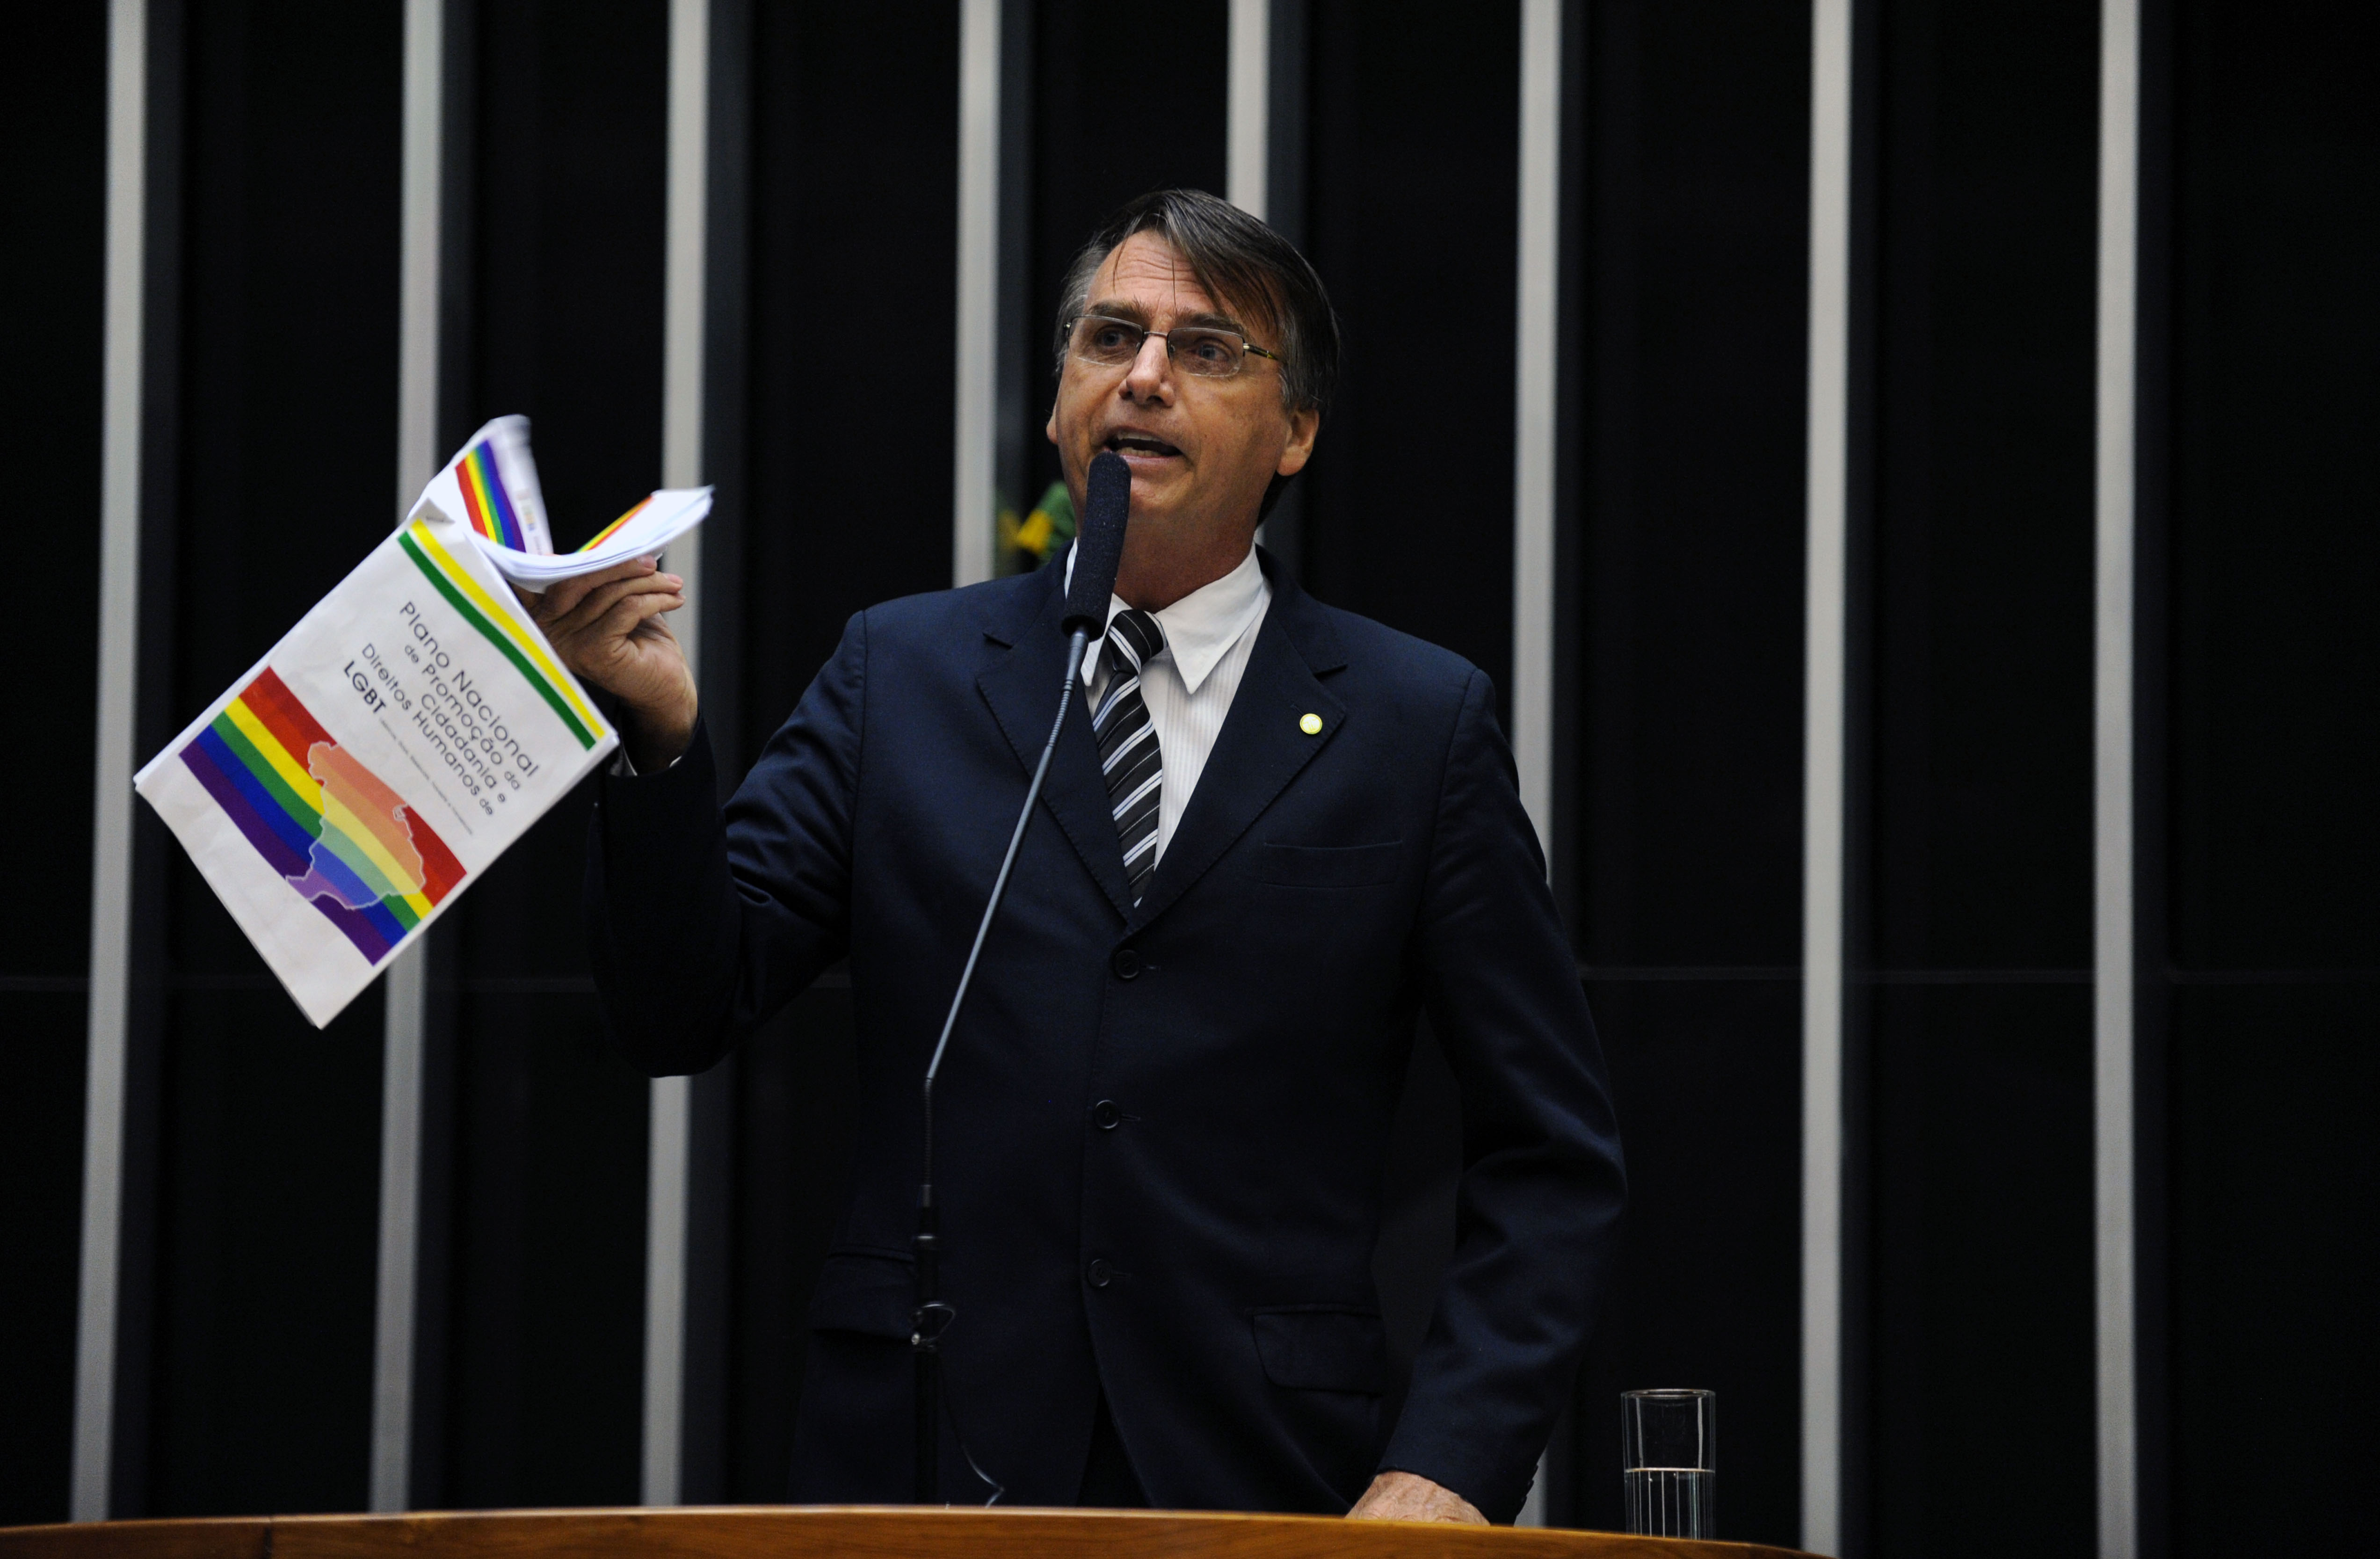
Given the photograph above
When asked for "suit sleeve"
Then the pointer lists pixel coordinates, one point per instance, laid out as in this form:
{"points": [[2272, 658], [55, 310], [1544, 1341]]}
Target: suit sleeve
{"points": [[700, 924], [1537, 1211]]}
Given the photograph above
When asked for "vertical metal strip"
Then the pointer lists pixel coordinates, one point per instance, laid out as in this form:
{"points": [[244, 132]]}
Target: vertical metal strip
{"points": [[423, 233], [683, 301], [1826, 630], [1247, 128], [401, 1074], [1534, 345], [1534, 359], [1248, 118], [406, 986], [665, 1247], [669, 1134], [112, 802], [2112, 951], [974, 471]]}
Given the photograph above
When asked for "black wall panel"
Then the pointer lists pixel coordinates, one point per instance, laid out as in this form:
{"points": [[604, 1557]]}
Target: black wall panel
{"points": [[53, 182], [2275, 844], [561, 319], [852, 312], [1116, 112], [258, 1394], [846, 402], [269, 1169], [1708, 1082], [1979, 1310], [1412, 219], [42, 1066], [2269, 925], [793, 1129], [546, 1326], [1972, 915], [2273, 1192], [1686, 231], [1687, 691]]}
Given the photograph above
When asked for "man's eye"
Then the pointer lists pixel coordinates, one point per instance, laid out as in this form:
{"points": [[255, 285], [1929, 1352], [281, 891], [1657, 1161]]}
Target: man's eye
{"points": [[1111, 338], [1207, 349]]}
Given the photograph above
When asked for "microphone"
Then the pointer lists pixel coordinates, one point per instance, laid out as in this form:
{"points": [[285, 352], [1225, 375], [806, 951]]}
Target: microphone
{"points": [[1098, 544], [1098, 551]]}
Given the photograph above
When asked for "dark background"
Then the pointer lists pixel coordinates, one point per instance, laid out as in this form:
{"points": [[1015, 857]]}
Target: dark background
{"points": [[271, 354]]}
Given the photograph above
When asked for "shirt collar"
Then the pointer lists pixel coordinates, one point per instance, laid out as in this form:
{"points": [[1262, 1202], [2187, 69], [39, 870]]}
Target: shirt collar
{"points": [[1203, 626]]}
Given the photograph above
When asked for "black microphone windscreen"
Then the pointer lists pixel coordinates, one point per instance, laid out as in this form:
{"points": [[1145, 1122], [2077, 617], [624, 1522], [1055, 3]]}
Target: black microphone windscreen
{"points": [[1098, 542]]}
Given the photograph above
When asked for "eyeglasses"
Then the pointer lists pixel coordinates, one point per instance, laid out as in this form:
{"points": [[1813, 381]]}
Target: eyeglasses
{"points": [[1104, 341]]}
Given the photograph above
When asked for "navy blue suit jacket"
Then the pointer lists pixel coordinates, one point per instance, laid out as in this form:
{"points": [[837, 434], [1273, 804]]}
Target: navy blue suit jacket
{"points": [[1160, 1128]]}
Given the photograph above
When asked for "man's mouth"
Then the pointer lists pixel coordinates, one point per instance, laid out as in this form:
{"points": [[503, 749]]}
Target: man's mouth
{"points": [[1132, 445]]}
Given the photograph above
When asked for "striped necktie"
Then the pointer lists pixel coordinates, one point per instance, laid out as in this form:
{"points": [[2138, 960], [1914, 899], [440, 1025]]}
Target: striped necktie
{"points": [[1128, 754]]}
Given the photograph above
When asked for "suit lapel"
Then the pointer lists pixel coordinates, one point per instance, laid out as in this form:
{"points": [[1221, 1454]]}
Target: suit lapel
{"points": [[1022, 690], [1262, 745]]}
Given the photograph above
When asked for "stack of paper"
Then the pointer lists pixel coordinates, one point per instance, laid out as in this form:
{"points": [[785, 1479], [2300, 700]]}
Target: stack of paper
{"points": [[490, 488], [643, 531]]}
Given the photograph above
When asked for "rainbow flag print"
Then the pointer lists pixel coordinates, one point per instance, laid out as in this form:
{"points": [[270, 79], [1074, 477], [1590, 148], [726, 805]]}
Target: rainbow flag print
{"points": [[606, 533], [331, 827], [486, 504]]}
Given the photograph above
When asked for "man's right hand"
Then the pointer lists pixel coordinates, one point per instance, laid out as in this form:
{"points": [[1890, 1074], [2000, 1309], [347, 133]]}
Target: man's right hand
{"points": [[608, 629]]}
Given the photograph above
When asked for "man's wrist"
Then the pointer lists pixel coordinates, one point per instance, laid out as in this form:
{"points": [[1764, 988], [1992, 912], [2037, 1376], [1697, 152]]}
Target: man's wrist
{"points": [[651, 745]]}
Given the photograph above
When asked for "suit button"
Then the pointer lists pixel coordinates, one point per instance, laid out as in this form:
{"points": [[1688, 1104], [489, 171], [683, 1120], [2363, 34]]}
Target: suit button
{"points": [[1106, 1115], [1100, 1274], [1126, 963]]}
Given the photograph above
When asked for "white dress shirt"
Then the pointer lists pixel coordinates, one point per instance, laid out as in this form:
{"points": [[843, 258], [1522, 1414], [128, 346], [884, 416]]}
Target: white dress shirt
{"points": [[1189, 687]]}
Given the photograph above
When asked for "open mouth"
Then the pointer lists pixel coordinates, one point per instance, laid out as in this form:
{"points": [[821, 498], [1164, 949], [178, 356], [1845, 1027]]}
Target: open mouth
{"points": [[1132, 445]]}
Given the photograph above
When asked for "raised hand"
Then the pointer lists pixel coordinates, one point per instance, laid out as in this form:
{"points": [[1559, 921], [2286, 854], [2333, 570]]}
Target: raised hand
{"points": [[608, 629]]}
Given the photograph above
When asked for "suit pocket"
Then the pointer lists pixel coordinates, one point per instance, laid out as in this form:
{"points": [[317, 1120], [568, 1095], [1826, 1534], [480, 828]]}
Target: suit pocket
{"points": [[1329, 866], [865, 1292], [1323, 1347]]}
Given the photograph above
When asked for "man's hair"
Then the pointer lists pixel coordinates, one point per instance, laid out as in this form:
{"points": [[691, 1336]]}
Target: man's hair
{"points": [[1241, 265]]}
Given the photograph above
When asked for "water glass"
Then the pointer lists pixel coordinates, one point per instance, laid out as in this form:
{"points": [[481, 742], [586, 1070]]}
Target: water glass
{"points": [[1669, 1462]]}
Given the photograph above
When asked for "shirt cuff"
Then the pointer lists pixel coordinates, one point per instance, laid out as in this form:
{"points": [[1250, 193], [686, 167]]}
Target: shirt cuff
{"points": [[622, 768]]}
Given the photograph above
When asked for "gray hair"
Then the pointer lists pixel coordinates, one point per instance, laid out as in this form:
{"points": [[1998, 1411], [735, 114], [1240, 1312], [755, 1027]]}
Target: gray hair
{"points": [[1241, 264]]}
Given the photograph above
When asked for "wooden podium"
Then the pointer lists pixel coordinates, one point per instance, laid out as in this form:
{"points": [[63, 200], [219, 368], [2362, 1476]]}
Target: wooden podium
{"points": [[802, 1531]]}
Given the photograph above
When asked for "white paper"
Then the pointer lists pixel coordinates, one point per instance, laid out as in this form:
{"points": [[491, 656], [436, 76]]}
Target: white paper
{"points": [[490, 487], [642, 532]]}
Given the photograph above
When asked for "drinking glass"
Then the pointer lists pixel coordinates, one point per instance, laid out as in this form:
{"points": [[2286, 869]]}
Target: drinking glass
{"points": [[1669, 1462]]}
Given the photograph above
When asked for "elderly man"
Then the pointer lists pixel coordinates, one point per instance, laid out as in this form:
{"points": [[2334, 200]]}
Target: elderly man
{"points": [[1271, 833]]}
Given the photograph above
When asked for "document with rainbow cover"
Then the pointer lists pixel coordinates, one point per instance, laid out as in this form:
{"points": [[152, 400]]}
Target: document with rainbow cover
{"points": [[351, 784]]}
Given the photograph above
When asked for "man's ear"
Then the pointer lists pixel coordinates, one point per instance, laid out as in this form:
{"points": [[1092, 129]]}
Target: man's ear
{"points": [[1303, 425]]}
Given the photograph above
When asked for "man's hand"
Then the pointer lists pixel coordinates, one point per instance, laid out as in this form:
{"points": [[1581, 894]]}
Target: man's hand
{"points": [[607, 627], [1408, 1496]]}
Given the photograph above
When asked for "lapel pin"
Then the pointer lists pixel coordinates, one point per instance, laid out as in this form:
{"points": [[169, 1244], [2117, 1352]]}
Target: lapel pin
{"points": [[1310, 724]]}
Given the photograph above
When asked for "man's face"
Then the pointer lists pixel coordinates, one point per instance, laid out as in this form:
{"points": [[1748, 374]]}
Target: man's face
{"points": [[1202, 450]]}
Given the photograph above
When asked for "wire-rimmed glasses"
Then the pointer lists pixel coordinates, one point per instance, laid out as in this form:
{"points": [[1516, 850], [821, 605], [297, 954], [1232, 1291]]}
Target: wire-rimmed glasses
{"points": [[1204, 351]]}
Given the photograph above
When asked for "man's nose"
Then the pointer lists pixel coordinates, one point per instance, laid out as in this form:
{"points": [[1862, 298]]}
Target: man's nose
{"points": [[1152, 372]]}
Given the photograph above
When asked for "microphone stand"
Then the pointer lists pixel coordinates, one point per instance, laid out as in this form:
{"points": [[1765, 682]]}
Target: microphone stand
{"points": [[932, 1317]]}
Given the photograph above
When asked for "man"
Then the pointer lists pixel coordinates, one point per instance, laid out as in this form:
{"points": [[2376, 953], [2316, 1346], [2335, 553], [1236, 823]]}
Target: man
{"points": [[1271, 831]]}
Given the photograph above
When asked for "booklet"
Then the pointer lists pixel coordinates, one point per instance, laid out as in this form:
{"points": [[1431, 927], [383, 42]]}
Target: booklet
{"points": [[342, 793]]}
